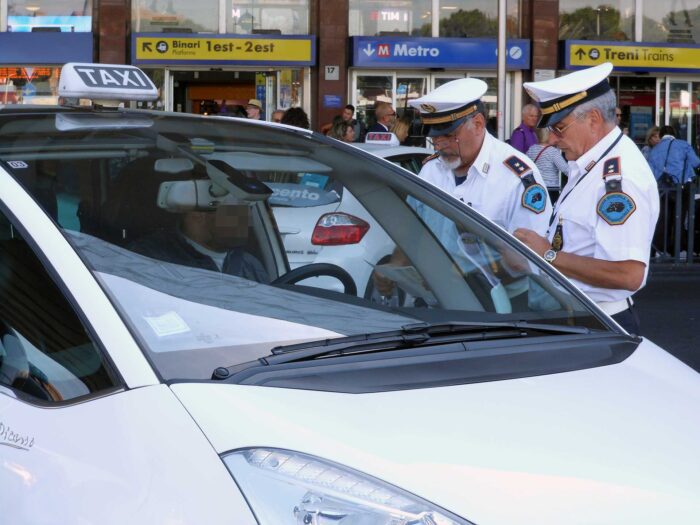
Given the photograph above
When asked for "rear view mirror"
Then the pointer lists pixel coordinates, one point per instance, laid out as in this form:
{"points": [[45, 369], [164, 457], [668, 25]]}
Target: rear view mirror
{"points": [[192, 195], [173, 166]]}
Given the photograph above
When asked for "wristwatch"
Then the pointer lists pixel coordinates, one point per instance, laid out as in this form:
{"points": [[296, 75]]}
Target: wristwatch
{"points": [[549, 256]]}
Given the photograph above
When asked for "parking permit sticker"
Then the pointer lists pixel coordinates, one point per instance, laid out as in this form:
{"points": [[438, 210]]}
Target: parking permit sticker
{"points": [[167, 324], [17, 164]]}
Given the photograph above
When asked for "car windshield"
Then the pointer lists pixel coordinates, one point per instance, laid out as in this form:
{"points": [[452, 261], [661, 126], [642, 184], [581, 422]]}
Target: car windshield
{"points": [[219, 239]]}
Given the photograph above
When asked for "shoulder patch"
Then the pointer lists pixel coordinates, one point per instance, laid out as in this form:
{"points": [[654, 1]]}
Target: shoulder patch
{"points": [[431, 157], [534, 198], [516, 165], [611, 167], [616, 208]]}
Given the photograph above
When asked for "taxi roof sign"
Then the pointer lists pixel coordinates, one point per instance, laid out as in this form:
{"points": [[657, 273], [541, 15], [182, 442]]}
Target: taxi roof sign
{"points": [[105, 82], [386, 138]]}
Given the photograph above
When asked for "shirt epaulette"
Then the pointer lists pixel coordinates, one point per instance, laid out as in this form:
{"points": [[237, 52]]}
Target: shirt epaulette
{"points": [[431, 157]]}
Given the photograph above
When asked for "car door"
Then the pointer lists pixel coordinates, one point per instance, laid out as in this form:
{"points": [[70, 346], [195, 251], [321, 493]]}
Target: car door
{"points": [[88, 434]]}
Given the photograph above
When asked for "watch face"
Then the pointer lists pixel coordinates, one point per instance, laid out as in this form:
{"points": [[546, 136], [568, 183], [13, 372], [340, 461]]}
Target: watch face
{"points": [[550, 255]]}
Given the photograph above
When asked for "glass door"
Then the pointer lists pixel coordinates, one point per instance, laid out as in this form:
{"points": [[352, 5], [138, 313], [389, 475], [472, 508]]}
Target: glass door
{"points": [[681, 107]]}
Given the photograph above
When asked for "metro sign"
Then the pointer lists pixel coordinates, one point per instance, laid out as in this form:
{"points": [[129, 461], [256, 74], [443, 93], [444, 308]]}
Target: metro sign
{"points": [[383, 50]]}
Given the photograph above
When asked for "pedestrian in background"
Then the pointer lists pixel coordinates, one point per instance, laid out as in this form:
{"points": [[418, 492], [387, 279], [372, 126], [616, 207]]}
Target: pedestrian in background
{"points": [[277, 115], [254, 109], [385, 116], [673, 162], [652, 139], [402, 128], [524, 135], [550, 161], [296, 117], [343, 131]]}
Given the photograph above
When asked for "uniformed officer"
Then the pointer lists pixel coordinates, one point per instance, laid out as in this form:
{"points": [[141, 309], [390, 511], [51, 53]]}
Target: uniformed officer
{"points": [[601, 229], [485, 173], [489, 175]]}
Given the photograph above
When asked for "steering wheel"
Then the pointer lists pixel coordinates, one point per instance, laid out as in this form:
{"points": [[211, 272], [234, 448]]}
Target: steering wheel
{"points": [[316, 270]]}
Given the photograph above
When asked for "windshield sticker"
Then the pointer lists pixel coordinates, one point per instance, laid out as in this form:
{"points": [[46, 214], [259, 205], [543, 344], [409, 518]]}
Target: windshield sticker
{"points": [[167, 324], [299, 195], [10, 438], [17, 164]]}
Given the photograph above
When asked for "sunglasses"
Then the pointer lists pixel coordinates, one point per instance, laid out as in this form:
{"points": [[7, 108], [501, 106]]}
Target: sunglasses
{"points": [[559, 132]]}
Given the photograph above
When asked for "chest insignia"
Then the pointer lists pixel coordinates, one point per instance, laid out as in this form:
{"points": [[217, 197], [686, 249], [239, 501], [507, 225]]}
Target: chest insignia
{"points": [[534, 198], [616, 208]]}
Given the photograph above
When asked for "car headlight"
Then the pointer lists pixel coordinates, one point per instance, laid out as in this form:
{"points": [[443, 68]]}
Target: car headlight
{"points": [[285, 487]]}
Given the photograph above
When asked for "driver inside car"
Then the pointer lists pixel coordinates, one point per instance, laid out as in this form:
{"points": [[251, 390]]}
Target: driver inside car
{"points": [[212, 240]]}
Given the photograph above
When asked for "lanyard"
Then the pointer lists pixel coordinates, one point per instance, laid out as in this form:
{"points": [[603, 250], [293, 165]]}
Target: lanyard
{"points": [[561, 200]]}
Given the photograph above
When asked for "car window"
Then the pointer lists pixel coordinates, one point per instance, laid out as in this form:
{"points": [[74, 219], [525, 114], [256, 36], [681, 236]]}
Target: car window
{"points": [[412, 163], [45, 351], [183, 222]]}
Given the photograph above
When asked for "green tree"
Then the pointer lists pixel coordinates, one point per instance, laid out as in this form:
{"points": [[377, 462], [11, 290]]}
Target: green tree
{"points": [[589, 23]]}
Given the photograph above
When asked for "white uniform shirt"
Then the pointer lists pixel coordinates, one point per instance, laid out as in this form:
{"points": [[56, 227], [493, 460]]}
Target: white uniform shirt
{"points": [[586, 232], [492, 188]]}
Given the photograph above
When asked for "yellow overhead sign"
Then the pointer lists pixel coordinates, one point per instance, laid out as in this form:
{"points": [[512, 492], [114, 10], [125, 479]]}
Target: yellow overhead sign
{"points": [[195, 49], [633, 56]]}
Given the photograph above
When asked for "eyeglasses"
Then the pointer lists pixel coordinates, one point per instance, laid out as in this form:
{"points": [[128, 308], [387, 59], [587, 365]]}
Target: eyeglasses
{"points": [[391, 114], [559, 132]]}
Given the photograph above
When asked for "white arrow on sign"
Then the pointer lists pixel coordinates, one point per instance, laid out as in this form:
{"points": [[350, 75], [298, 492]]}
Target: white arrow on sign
{"points": [[369, 50]]}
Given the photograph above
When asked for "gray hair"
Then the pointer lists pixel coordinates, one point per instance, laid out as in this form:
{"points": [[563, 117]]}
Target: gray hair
{"points": [[480, 110], [530, 107], [605, 104]]}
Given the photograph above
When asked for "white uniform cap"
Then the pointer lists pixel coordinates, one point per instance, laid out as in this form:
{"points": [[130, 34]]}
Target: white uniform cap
{"points": [[559, 96], [445, 108]]}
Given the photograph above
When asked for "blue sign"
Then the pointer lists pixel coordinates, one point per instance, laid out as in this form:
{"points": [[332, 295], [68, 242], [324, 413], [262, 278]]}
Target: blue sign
{"points": [[465, 53], [45, 48], [332, 101], [28, 90]]}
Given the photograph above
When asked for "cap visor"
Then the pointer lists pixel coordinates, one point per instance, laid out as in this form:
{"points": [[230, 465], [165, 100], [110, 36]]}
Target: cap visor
{"points": [[435, 130], [553, 118]]}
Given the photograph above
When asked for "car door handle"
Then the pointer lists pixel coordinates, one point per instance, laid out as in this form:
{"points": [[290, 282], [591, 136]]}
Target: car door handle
{"points": [[288, 231]]}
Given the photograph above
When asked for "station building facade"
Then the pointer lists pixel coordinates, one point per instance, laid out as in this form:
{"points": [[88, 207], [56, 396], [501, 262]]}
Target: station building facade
{"points": [[211, 56]]}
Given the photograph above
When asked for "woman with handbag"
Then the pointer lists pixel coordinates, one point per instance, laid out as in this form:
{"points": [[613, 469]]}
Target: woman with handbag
{"points": [[674, 164], [549, 161]]}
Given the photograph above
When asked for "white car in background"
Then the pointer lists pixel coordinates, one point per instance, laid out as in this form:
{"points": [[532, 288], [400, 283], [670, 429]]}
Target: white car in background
{"points": [[323, 224]]}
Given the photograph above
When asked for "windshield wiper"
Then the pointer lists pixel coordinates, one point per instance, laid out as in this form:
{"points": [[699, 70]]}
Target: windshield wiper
{"points": [[408, 336]]}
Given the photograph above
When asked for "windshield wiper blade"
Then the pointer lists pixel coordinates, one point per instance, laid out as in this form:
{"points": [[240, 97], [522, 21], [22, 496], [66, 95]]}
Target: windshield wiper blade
{"points": [[408, 336]]}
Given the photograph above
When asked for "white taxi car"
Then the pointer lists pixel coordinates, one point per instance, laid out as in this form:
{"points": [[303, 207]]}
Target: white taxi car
{"points": [[159, 365]]}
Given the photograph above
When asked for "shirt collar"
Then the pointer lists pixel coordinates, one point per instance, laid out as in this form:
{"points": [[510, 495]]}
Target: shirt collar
{"points": [[596, 151], [481, 163], [669, 137]]}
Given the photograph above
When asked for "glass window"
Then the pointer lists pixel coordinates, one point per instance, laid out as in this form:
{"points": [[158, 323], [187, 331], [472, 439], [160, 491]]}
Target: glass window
{"points": [[392, 17], [282, 17], [29, 85], [476, 18], [676, 22], [175, 16], [208, 281], [45, 352], [49, 15], [371, 89], [583, 20]]}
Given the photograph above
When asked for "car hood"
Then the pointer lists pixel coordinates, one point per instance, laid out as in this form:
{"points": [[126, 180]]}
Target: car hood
{"points": [[610, 445]]}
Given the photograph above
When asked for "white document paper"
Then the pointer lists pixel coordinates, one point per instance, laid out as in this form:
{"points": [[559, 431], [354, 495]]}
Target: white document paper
{"points": [[408, 279], [167, 324]]}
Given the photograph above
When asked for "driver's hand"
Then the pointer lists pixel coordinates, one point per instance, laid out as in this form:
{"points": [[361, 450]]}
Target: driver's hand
{"points": [[383, 285]]}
